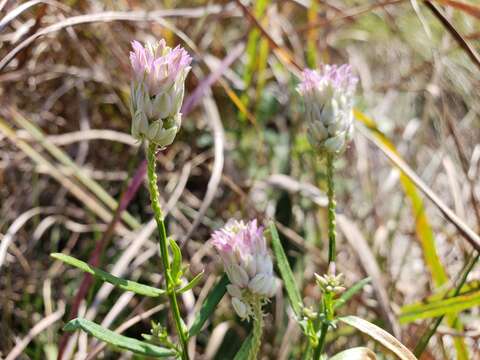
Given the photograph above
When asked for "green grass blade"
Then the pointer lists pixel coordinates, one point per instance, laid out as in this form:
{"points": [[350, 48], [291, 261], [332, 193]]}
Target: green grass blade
{"points": [[117, 340], [242, 353], [128, 285], [285, 271], [209, 306], [351, 291], [448, 306], [252, 51]]}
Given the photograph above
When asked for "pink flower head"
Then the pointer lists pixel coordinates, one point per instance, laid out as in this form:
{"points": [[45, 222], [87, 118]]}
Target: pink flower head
{"points": [[340, 78], [243, 250], [158, 66], [328, 97], [158, 89]]}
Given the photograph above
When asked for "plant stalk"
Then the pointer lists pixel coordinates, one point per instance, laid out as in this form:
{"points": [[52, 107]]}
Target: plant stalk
{"points": [[327, 311], [163, 243], [257, 330], [321, 341], [332, 233]]}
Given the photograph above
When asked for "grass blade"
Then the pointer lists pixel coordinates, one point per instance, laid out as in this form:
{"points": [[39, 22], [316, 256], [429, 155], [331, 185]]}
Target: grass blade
{"points": [[448, 306], [117, 340], [209, 305], [242, 353], [285, 271], [128, 285], [351, 291]]}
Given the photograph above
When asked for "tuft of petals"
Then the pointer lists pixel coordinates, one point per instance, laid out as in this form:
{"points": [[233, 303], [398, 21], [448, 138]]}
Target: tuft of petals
{"points": [[328, 96], [158, 85]]}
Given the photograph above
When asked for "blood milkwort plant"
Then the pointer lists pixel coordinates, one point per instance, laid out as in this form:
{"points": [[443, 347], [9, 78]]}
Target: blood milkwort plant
{"points": [[157, 92]]}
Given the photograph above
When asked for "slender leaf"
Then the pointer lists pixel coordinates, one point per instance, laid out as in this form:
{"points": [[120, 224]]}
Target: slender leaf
{"points": [[129, 285], [209, 305], [379, 335], [177, 259], [356, 353], [467, 288], [351, 291], [437, 308], [242, 353], [191, 284], [117, 340], [253, 59], [285, 271], [430, 331]]}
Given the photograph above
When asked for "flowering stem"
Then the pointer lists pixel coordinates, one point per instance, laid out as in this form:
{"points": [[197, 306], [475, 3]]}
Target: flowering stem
{"points": [[257, 329], [331, 210], [163, 242], [321, 341]]}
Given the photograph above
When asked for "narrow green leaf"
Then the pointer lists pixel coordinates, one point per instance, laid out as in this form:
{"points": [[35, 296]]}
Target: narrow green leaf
{"points": [[177, 259], [350, 292], [379, 335], [467, 289], [129, 285], [117, 340], [209, 305], [285, 271], [191, 284], [356, 353], [242, 353], [441, 307]]}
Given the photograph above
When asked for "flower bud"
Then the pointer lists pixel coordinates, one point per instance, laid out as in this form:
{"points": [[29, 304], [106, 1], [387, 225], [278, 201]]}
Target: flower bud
{"points": [[234, 291], [157, 92], [328, 97], [330, 283], [243, 310]]}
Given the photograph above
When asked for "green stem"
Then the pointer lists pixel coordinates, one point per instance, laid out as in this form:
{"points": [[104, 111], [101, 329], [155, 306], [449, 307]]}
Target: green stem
{"points": [[257, 330], [425, 339], [163, 242], [331, 210], [328, 316], [321, 341]]}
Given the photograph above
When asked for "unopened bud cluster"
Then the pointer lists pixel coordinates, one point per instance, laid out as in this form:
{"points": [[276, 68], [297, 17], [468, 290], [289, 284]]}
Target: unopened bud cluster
{"points": [[330, 283], [243, 250], [328, 97], [157, 91]]}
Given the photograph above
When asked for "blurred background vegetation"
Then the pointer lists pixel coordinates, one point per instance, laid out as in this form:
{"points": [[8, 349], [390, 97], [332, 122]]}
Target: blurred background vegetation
{"points": [[67, 160]]}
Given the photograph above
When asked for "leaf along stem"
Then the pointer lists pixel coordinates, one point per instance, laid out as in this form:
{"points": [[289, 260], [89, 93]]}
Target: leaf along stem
{"points": [[163, 242]]}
